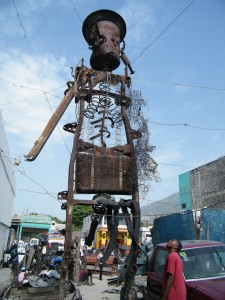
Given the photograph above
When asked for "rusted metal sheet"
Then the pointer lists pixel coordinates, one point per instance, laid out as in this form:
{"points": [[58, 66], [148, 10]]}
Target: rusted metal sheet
{"points": [[96, 173]]}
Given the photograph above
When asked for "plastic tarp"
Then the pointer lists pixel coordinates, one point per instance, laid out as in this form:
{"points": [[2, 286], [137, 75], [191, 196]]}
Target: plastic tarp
{"points": [[175, 226], [213, 224]]}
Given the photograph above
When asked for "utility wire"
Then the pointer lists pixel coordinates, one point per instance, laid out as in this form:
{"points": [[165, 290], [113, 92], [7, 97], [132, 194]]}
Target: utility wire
{"points": [[21, 86], [173, 165], [188, 125], [162, 32], [76, 11], [30, 88], [163, 202], [35, 192], [29, 177], [38, 73], [180, 84], [37, 183], [30, 98], [138, 216], [135, 78]]}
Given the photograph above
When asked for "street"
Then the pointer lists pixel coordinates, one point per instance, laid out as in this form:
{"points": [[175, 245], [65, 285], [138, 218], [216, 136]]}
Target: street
{"points": [[99, 291]]}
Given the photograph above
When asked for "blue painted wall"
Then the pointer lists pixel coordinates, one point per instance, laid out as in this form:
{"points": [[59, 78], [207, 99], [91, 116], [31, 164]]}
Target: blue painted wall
{"points": [[185, 190]]}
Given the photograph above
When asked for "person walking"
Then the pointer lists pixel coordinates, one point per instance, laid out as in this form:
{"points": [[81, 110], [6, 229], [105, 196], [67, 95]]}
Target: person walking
{"points": [[173, 278], [100, 255]]}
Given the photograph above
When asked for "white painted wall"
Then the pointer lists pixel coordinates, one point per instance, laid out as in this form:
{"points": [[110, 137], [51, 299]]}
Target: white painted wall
{"points": [[7, 189], [145, 234]]}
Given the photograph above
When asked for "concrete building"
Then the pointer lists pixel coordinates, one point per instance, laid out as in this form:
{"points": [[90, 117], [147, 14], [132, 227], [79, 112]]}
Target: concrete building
{"points": [[7, 188], [27, 226], [203, 186], [31, 226]]}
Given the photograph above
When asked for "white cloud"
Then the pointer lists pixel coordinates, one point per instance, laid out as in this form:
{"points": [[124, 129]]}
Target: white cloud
{"points": [[8, 15], [26, 119], [140, 22]]}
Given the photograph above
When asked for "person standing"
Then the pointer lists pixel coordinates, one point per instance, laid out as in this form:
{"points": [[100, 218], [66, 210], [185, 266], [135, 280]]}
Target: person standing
{"points": [[173, 278], [82, 258], [43, 249], [14, 258], [100, 255]]}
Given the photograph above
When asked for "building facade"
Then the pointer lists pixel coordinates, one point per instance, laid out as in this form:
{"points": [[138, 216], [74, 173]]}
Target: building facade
{"points": [[7, 188], [31, 226], [203, 186]]}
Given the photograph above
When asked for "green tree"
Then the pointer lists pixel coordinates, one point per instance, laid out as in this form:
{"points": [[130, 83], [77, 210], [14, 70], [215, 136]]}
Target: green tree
{"points": [[79, 213], [58, 221], [145, 223]]}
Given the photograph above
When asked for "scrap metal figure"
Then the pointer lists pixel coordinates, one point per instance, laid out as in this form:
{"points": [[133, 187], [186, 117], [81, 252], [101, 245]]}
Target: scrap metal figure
{"points": [[108, 154]]}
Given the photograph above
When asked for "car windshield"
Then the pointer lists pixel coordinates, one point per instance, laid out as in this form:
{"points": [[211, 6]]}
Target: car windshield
{"points": [[205, 262]]}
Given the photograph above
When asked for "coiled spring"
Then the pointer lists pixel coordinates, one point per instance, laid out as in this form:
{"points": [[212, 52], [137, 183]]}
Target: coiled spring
{"points": [[92, 107], [103, 105]]}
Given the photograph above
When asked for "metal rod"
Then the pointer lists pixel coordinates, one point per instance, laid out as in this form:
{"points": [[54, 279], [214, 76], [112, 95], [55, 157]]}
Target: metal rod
{"points": [[39, 144]]}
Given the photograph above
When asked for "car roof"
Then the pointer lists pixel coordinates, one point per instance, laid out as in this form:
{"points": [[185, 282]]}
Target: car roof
{"points": [[195, 244]]}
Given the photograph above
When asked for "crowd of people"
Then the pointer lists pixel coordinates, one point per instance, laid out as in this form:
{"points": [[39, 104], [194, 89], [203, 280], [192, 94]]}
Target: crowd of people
{"points": [[40, 261], [173, 279], [52, 269]]}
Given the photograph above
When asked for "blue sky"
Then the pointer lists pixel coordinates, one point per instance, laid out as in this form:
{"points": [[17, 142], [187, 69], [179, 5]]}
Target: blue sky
{"points": [[181, 76]]}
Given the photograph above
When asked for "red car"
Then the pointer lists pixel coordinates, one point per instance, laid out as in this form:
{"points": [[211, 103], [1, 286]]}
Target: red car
{"points": [[204, 270]]}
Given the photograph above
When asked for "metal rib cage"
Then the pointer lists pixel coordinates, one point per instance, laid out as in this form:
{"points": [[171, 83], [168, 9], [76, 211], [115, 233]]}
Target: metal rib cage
{"points": [[105, 108]]}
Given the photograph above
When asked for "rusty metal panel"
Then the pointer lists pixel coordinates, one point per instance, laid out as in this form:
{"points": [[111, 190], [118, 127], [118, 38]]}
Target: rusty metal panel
{"points": [[103, 174]]}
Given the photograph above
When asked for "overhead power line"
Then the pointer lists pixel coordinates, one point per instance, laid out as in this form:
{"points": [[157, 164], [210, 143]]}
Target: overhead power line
{"points": [[31, 98], [187, 125], [38, 73], [37, 183], [175, 165], [21, 86], [30, 88], [76, 11], [181, 84], [22, 172], [36, 192], [162, 32]]}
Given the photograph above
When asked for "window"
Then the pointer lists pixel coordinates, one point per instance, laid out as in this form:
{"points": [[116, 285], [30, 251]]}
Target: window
{"points": [[204, 262]]}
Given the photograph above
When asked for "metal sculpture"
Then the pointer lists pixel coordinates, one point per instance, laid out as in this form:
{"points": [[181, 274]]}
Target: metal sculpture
{"points": [[108, 154]]}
